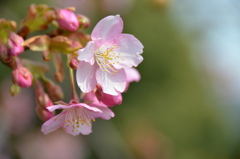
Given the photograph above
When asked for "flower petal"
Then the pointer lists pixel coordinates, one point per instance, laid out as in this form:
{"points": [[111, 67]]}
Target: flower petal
{"points": [[74, 127], [106, 113], [108, 29], [87, 53], [85, 106], [53, 123], [111, 83], [85, 129], [110, 100], [132, 75], [86, 78], [129, 49], [54, 107]]}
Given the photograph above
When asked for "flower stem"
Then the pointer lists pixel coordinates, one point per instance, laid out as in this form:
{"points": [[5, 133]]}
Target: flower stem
{"points": [[74, 95]]}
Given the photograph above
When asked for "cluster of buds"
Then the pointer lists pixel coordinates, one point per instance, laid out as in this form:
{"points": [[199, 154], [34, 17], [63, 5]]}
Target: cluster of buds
{"points": [[103, 62]]}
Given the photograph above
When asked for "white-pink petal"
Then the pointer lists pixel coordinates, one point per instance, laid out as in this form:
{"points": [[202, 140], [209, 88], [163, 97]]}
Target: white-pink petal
{"points": [[111, 83], [86, 76], [53, 123], [130, 49], [87, 53], [54, 107], [106, 113], [78, 120], [108, 29], [132, 75], [85, 106]]}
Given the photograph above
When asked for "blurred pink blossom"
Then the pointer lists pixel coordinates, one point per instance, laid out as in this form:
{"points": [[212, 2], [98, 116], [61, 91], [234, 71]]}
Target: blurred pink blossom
{"points": [[76, 118]]}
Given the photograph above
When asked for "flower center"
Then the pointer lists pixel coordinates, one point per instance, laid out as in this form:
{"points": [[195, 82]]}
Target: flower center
{"points": [[77, 117], [106, 58]]}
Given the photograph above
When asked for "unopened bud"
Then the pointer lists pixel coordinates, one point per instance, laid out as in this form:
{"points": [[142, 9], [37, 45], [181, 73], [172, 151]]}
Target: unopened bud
{"points": [[38, 17], [43, 100], [4, 54], [73, 63], [67, 19], [15, 44], [84, 22], [43, 113], [58, 77], [14, 89], [22, 77], [7, 25], [55, 91]]}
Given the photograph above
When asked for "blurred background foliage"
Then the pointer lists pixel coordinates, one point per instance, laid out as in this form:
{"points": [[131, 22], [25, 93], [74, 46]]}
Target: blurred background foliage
{"points": [[170, 114]]}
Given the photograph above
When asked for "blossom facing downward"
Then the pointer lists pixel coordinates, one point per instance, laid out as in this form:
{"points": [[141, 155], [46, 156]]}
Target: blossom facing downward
{"points": [[104, 59], [76, 118]]}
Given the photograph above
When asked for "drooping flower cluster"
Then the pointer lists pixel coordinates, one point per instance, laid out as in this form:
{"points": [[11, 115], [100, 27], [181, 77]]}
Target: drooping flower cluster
{"points": [[103, 62]]}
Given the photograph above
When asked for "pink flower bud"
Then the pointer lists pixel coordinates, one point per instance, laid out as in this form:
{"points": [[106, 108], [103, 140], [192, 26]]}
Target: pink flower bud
{"points": [[73, 63], [22, 77], [43, 113], [43, 100], [15, 44], [55, 91], [4, 54], [67, 19]]}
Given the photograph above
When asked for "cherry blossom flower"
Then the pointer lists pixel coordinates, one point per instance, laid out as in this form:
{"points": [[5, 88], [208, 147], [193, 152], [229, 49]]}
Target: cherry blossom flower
{"points": [[104, 59], [76, 118]]}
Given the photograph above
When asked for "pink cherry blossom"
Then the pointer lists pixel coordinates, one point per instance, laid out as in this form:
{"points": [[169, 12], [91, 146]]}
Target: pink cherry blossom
{"points": [[104, 59], [76, 118]]}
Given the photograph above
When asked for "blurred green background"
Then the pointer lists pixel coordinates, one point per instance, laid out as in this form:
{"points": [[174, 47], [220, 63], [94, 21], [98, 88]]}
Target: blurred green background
{"points": [[169, 114]]}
